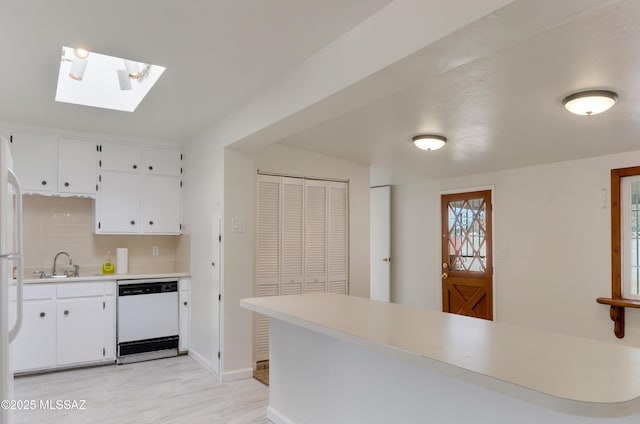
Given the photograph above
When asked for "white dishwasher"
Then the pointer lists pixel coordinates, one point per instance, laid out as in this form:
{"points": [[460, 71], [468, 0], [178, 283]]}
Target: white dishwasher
{"points": [[147, 319]]}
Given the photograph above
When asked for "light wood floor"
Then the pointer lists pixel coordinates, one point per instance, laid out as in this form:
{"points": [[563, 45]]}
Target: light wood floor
{"points": [[165, 391]]}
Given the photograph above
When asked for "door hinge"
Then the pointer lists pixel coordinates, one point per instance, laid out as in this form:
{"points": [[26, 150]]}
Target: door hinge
{"points": [[100, 163], [104, 305], [101, 148], [180, 156], [104, 351], [98, 225], [219, 297], [96, 187], [180, 227], [97, 147], [11, 138], [218, 354], [180, 183], [100, 178], [181, 170], [219, 238]]}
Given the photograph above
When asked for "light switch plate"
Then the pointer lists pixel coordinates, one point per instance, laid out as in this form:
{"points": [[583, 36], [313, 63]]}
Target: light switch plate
{"points": [[238, 225]]}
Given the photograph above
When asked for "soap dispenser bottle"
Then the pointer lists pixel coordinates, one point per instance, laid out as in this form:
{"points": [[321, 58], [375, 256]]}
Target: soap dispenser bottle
{"points": [[107, 265]]}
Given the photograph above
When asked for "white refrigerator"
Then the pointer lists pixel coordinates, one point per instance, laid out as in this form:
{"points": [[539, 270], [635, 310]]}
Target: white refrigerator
{"points": [[11, 269]]}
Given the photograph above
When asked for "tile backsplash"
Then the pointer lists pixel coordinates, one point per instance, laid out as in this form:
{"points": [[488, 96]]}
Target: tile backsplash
{"points": [[54, 224]]}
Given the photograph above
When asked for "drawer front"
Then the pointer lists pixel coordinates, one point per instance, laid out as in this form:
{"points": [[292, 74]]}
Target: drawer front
{"points": [[34, 292], [70, 290]]}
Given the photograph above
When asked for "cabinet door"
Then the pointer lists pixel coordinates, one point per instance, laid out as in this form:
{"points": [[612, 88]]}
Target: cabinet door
{"points": [[162, 204], [183, 313], [80, 330], [35, 161], [34, 348], [159, 161], [77, 167], [119, 203], [120, 157]]}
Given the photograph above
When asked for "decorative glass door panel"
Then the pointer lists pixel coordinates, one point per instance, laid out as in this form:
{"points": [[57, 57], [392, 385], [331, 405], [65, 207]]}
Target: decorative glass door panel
{"points": [[467, 267]]}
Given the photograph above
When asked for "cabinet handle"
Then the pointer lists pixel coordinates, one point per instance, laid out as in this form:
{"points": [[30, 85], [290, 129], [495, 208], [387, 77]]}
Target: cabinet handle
{"points": [[44, 182], [42, 314], [66, 184], [151, 168], [185, 303], [66, 312], [135, 166], [133, 222], [150, 222]]}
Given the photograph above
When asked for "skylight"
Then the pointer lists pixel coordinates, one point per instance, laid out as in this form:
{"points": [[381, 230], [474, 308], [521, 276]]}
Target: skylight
{"points": [[92, 79]]}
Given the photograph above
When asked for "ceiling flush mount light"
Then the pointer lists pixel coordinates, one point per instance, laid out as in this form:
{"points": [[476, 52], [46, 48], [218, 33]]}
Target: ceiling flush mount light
{"points": [[590, 102], [429, 142]]}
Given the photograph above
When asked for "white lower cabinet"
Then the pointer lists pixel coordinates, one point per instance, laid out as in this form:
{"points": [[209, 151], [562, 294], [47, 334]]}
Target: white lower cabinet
{"points": [[35, 346], [79, 338], [183, 314], [65, 324]]}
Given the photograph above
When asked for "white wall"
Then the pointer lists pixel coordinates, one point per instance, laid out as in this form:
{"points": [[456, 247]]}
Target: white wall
{"points": [[239, 182], [552, 245], [239, 202]]}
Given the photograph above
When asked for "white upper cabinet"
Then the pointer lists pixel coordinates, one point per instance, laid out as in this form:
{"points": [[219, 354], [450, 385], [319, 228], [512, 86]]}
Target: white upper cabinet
{"points": [[140, 190], [34, 158], [159, 161], [119, 204], [50, 166], [161, 208], [77, 171], [120, 157]]}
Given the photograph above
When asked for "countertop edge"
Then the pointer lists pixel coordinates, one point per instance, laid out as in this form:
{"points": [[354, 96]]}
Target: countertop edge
{"points": [[590, 408], [110, 277]]}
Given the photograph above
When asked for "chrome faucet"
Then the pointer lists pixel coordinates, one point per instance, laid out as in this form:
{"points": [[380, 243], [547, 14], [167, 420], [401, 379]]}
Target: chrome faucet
{"points": [[75, 267]]}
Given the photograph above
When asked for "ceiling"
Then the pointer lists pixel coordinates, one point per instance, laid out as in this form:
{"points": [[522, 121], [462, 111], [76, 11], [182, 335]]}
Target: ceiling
{"points": [[217, 54], [502, 110], [493, 87]]}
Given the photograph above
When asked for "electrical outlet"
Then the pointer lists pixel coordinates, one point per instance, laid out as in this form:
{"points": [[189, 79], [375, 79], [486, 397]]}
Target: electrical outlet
{"points": [[155, 250]]}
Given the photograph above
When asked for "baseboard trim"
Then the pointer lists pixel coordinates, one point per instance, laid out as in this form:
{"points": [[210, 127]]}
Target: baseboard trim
{"points": [[201, 360], [277, 417], [237, 374]]}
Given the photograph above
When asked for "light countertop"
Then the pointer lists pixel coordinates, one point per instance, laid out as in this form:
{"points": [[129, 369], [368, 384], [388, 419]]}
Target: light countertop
{"points": [[561, 366], [101, 277]]}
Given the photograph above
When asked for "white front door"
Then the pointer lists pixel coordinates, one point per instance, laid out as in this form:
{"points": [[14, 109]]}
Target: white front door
{"points": [[381, 243]]}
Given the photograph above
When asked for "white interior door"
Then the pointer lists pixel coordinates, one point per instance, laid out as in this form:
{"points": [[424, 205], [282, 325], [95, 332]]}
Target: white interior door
{"points": [[381, 243]]}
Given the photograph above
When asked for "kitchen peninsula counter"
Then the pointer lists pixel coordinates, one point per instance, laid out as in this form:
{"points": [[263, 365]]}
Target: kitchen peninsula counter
{"points": [[447, 366]]}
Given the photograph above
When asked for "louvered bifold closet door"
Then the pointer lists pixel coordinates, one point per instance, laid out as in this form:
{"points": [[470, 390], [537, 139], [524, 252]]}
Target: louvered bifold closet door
{"points": [[315, 240], [267, 254], [338, 233], [292, 235]]}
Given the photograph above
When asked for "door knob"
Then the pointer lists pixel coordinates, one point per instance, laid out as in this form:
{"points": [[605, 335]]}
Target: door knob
{"points": [[445, 275]]}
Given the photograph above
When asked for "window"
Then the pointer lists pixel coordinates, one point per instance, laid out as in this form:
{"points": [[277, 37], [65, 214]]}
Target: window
{"points": [[625, 246], [630, 236]]}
